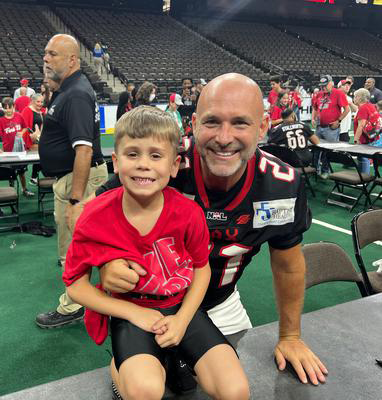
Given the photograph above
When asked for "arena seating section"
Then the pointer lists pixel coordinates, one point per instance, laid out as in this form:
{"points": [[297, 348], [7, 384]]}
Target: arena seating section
{"points": [[265, 43], [160, 49], [348, 41], [154, 47], [23, 36]]}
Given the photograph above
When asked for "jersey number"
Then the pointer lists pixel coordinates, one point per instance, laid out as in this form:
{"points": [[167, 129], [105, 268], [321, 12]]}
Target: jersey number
{"points": [[234, 254], [296, 139], [282, 176]]}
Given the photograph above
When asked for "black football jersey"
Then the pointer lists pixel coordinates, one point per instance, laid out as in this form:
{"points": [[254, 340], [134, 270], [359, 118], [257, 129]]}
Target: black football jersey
{"points": [[295, 136], [268, 204]]}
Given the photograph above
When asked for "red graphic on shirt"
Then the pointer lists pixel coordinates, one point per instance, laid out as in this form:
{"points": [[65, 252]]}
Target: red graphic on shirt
{"points": [[168, 272], [243, 219]]}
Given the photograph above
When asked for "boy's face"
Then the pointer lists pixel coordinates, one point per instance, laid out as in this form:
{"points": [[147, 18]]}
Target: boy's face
{"points": [[9, 110], [145, 166]]}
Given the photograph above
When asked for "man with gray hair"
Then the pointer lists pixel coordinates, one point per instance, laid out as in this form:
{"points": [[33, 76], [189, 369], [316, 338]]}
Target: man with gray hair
{"points": [[69, 150], [375, 93]]}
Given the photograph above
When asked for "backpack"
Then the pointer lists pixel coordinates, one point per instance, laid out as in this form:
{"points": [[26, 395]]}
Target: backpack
{"points": [[373, 125]]}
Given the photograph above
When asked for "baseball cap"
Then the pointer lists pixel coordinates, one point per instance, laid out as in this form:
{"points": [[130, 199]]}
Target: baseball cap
{"points": [[343, 82], [175, 98], [24, 81], [324, 80]]}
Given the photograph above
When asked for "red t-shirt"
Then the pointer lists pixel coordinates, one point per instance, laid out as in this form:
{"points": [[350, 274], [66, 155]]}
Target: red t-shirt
{"points": [[22, 102], [8, 129], [276, 112], [329, 105], [364, 112], [294, 99], [177, 244], [272, 97]]}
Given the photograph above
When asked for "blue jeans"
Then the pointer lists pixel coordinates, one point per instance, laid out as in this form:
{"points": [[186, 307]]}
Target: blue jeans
{"points": [[330, 135], [363, 162]]}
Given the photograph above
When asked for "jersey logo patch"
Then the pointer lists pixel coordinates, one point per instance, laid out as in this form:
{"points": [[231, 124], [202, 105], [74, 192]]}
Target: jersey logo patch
{"points": [[273, 212], [243, 219], [216, 216]]}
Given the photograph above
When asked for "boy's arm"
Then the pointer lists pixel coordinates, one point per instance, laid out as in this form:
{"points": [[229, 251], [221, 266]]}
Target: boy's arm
{"points": [[83, 292], [176, 325]]}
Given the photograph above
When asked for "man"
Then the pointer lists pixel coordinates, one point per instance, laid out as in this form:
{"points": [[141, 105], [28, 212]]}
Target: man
{"points": [[276, 88], [69, 150], [375, 94], [294, 135], [22, 101], [24, 83], [345, 86], [248, 199], [330, 107]]}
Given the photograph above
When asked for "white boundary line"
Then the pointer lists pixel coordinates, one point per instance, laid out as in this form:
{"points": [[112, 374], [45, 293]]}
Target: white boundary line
{"points": [[337, 228]]}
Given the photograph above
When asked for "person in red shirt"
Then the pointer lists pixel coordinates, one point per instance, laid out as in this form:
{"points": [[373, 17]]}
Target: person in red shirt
{"points": [[22, 101], [12, 129], [167, 234], [330, 107], [365, 110], [275, 82], [281, 105]]}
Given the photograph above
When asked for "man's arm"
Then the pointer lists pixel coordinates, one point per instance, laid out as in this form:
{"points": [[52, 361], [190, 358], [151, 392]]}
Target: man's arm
{"points": [[314, 139], [288, 268], [81, 169]]}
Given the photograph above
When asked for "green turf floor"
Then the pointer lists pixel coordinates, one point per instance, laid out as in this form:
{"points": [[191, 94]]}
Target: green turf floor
{"points": [[31, 284]]}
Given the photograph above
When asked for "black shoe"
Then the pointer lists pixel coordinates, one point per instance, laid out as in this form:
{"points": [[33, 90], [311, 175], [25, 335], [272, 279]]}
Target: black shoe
{"points": [[116, 395], [54, 319], [179, 377]]}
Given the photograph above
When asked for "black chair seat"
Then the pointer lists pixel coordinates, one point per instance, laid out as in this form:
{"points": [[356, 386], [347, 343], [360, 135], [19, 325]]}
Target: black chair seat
{"points": [[8, 194], [350, 177]]}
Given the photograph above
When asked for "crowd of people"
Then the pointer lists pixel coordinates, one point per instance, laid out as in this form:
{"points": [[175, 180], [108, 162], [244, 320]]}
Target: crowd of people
{"points": [[168, 273]]}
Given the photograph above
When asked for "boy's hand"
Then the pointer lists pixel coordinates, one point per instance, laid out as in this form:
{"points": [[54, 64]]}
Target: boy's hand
{"points": [[174, 326], [146, 318]]}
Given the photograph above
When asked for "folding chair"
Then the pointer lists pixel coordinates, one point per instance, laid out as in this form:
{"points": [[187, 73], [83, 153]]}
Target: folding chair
{"points": [[291, 157], [377, 161], [328, 262], [350, 178], [9, 198], [366, 228], [44, 188]]}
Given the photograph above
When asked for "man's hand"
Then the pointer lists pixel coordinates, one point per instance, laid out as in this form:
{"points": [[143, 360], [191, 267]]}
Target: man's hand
{"points": [[173, 326], [303, 360], [120, 276], [335, 124]]}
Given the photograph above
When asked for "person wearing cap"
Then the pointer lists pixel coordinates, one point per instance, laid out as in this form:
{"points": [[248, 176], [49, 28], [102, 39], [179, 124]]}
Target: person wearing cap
{"points": [[24, 83], [174, 102], [345, 86], [375, 94], [330, 107]]}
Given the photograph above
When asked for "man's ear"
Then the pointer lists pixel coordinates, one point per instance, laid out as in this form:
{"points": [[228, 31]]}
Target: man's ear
{"points": [[193, 121], [264, 126], [175, 167], [115, 164]]}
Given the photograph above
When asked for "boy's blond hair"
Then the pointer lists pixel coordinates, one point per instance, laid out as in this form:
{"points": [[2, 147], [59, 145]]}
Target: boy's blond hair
{"points": [[147, 121]]}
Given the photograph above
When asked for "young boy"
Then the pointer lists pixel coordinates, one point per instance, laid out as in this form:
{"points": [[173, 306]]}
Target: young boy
{"points": [[151, 224], [12, 128]]}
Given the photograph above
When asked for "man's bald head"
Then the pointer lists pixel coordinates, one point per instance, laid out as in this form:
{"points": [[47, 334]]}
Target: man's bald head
{"points": [[62, 57], [227, 124], [232, 83]]}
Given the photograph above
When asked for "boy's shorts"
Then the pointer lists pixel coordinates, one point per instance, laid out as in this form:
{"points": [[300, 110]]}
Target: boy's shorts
{"points": [[201, 335]]}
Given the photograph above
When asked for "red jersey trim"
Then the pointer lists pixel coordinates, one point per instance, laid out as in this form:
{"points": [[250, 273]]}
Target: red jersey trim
{"points": [[202, 189]]}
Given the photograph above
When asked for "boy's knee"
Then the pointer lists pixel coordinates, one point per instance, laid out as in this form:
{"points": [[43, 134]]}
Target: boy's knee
{"points": [[152, 389]]}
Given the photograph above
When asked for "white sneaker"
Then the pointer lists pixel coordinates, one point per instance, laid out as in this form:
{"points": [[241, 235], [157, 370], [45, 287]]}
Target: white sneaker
{"points": [[33, 181]]}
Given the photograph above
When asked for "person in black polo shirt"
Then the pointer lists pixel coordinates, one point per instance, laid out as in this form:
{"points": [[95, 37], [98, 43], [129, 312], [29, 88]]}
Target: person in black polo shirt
{"points": [[69, 150]]}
